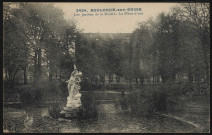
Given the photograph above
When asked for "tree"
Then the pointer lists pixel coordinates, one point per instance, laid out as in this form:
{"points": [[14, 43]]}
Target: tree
{"points": [[37, 32], [199, 16], [15, 47], [141, 53], [191, 54], [167, 46]]}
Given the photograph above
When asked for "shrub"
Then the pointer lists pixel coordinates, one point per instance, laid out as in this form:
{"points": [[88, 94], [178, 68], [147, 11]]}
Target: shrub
{"points": [[31, 95], [199, 88], [54, 110], [89, 107], [86, 85], [124, 104], [26, 97], [163, 98], [137, 102], [53, 86], [159, 101], [144, 102]]}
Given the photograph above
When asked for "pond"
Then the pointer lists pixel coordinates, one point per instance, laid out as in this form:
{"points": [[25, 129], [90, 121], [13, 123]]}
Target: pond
{"points": [[110, 119]]}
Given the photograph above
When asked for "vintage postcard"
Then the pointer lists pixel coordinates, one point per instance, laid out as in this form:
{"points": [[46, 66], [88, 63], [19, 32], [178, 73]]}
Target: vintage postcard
{"points": [[121, 67]]}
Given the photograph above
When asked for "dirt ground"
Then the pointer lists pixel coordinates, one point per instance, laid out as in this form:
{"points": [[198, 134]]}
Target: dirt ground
{"points": [[110, 119]]}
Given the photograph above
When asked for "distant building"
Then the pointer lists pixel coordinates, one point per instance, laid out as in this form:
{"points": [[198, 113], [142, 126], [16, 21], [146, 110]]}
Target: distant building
{"points": [[115, 81], [152, 80]]}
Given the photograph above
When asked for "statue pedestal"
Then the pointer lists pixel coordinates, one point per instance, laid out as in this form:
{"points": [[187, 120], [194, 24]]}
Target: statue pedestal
{"points": [[74, 104], [69, 112]]}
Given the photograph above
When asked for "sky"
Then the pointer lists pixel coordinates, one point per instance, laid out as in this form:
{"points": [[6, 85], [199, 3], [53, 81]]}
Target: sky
{"points": [[112, 23]]}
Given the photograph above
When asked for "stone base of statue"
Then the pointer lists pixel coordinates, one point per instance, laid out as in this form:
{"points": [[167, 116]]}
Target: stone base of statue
{"points": [[71, 113], [74, 105]]}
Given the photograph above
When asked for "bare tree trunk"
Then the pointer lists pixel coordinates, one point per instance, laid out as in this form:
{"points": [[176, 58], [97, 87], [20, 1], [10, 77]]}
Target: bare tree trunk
{"points": [[39, 62], [136, 79], [25, 76], [173, 77], [205, 47], [35, 65], [6, 77], [153, 79], [163, 78], [130, 82], [50, 71], [207, 73], [103, 80], [103, 83], [190, 77], [9, 78], [60, 72], [50, 75], [91, 80], [141, 80], [56, 73], [109, 80], [13, 77]]}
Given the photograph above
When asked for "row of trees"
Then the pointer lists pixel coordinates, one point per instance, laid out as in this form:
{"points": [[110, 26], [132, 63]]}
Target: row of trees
{"points": [[36, 37], [177, 42], [102, 54], [173, 43], [35, 40]]}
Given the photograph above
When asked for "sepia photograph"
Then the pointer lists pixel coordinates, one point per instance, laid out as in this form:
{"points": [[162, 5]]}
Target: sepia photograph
{"points": [[106, 67]]}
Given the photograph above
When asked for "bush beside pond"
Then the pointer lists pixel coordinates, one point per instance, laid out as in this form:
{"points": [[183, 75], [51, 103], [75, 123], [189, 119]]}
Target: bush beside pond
{"points": [[29, 96], [161, 98], [54, 110], [89, 107], [41, 91]]}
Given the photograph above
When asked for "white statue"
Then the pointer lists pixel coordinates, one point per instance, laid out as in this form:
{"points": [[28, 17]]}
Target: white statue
{"points": [[73, 100], [73, 89]]}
